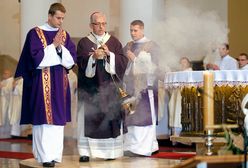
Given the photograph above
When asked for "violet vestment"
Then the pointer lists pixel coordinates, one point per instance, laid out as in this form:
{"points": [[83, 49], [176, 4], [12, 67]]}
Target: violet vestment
{"points": [[141, 82], [46, 93], [46, 102], [103, 113]]}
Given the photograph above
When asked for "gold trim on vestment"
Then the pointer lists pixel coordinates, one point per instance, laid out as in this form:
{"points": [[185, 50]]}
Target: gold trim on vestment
{"points": [[41, 36], [46, 82], [64, 37]]}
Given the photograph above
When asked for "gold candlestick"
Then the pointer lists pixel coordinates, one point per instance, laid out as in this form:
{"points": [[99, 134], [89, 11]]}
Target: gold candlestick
{"points": [[208, 99], [208, 109]]}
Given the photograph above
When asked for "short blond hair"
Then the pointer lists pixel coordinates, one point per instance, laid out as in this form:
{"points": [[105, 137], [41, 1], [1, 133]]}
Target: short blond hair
{"points": [[138, 22], [56, 7]]}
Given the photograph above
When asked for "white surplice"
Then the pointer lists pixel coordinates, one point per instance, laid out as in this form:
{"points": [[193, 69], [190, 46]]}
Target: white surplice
{"points": [[109, 148]]}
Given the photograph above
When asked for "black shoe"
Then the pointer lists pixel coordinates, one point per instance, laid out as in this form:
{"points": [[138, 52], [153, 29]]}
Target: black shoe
{"points": [[109, 159], [49, 164], [156, 152], [84, 159], [30, 137], [17, 137]]}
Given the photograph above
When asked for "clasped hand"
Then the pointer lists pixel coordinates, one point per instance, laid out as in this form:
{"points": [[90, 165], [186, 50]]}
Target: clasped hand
{"points": [[58, 39], [212, 66], [100, 52], [130, 55]]}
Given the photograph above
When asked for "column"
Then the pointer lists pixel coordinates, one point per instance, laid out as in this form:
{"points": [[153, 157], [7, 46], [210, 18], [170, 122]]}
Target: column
{"points": [[149, 11], [33, 13]]}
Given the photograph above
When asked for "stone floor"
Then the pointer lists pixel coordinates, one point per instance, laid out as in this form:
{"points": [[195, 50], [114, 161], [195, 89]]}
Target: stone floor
{"points": [[71, 157], [124, 162]]}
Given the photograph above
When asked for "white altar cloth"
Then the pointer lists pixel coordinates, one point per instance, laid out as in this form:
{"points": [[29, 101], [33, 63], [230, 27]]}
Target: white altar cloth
{"points": [[175, 81], [195, 78]]}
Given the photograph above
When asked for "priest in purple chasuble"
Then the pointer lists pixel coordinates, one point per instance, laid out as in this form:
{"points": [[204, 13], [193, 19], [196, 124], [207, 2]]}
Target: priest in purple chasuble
{"points": [[46, 58], [141, 82], [101, 66]]}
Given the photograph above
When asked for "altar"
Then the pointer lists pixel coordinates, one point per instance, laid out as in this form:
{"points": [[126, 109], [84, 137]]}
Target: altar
{"points": [[230, 87]]}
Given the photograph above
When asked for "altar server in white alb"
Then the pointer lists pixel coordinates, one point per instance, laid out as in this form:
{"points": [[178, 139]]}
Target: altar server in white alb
{"points": [[175, 107], [140, 81], [226, 61], [5, 102], [16, 105]]}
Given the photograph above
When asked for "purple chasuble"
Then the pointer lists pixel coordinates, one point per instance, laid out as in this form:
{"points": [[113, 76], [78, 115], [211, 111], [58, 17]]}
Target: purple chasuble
{"points": [[102, 107], [142, 115], [46, 93]]}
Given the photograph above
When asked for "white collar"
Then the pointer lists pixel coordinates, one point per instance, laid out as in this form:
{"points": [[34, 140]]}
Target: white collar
{"points": [[99, 38], [244, 67], [47, 27], [225, 57], [142, 40]]}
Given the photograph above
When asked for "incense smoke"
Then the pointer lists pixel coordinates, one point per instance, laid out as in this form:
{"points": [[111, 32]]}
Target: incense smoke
{"points": [[188, 32]]}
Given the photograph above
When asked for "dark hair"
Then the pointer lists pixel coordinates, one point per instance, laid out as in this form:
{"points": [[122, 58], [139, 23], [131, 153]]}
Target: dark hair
{"points": [[244, 54], [226, 45], [138, 22], [56, 7]]}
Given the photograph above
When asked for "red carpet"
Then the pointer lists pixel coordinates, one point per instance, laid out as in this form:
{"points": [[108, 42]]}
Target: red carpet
{"points": [[173, 155], [175, 149], [15, 155], [164, 152], [16, 140], [163, 155]]}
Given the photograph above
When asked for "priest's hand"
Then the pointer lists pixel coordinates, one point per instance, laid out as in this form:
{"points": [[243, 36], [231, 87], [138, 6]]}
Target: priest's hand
{"points": [[58, 39], [105, 49], [212, 67], [98, 53], [130, 55]]}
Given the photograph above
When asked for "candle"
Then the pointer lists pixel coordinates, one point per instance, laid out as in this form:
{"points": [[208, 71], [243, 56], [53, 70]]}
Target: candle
{"points": [[208, 99]]}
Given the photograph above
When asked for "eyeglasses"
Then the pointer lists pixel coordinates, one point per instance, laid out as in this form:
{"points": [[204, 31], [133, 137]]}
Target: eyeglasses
{"points": [[100, 24], [241, 59]]}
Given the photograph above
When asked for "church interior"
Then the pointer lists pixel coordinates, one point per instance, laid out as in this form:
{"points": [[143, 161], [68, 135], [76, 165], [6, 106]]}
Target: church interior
{"points": [[201, 118]]}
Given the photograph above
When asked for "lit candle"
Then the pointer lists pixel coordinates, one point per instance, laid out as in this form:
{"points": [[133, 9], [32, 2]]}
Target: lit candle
{"points": [[208, 99]]}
